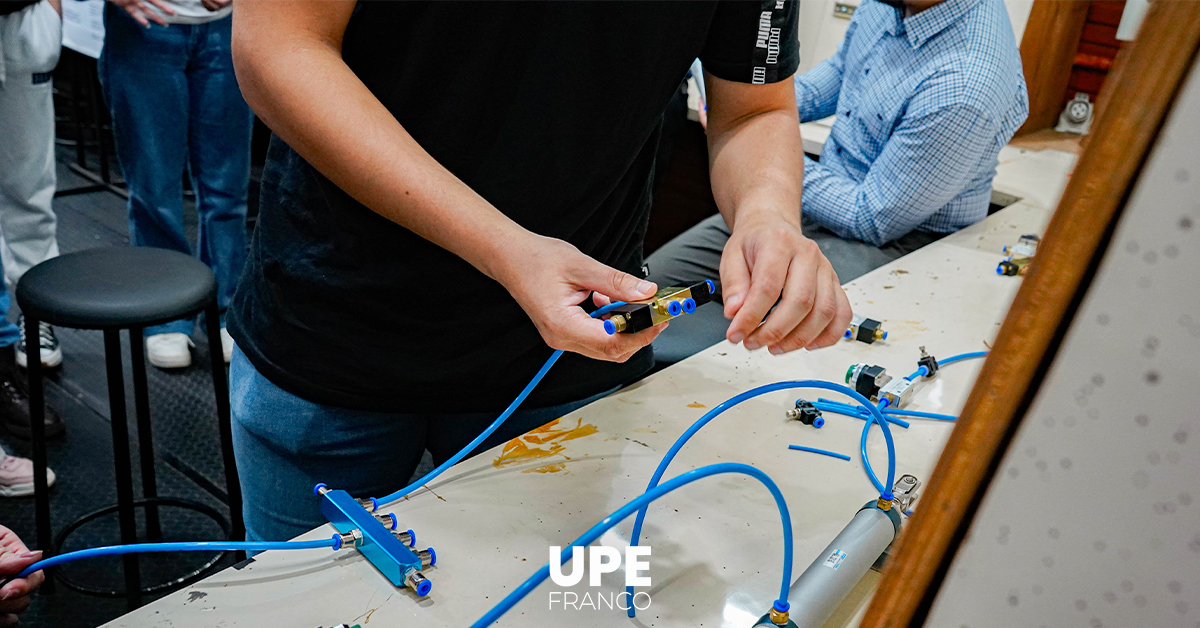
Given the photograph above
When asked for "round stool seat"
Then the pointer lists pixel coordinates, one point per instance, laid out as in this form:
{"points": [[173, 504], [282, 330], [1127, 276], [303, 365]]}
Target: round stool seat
{"points": [[123, 286]]}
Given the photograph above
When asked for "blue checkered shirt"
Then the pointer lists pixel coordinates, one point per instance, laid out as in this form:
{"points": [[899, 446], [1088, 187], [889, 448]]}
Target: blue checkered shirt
{"points": [[924, 105]]}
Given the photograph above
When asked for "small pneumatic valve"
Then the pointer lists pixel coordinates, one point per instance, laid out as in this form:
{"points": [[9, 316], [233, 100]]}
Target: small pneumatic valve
{"points": [[866, 330], [1012, 267], [666, 304], [929, 362], [806, 413], [867, 380]]}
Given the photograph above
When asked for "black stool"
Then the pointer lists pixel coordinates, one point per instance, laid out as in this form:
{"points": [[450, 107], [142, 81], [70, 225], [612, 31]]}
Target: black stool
{"points": [[113, 289]]}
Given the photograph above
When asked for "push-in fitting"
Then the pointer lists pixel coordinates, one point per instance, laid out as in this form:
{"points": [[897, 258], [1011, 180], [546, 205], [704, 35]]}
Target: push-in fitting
{"points": [[388, 520], [408, 537], [428, 557], [353, 538], [417, 581]]}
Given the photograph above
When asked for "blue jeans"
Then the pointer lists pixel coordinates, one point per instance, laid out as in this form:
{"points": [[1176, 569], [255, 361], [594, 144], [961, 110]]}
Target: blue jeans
{"points": [[9, 333], [285, 445], [176, 106]]}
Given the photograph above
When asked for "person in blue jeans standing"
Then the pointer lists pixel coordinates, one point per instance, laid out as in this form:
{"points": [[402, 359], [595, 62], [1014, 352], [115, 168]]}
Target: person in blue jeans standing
{"points": [[167, 74]]}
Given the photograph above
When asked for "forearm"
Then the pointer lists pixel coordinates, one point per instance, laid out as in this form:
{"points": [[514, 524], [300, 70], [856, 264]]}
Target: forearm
{"points": [[756, 165], [305, 92]]}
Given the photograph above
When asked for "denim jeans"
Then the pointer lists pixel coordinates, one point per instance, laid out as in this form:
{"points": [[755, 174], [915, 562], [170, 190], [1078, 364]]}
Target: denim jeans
{"points": [[176, 106], [285, 445]]}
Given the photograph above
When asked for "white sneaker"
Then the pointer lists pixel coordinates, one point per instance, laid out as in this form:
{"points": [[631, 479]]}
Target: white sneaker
{"points": [[16, 477], [227, 345], [169, 351]]}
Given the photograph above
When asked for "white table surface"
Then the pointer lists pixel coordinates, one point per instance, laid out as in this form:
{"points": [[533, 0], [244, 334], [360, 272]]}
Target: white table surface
{"points": [[716, 544]]}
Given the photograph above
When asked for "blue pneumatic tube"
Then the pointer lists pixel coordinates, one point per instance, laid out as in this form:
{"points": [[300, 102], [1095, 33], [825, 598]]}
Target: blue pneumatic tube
{"points": [[885, 491], [641, 502], [512, 407], [197, 546]]}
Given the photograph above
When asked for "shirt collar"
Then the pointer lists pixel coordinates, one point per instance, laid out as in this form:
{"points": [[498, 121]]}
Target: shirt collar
{"points": [[921, 27]]}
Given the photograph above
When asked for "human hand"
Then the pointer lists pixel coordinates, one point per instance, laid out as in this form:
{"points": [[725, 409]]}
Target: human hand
{"points": [[767, 260], [549, 278], [215, 5], [15, 595], [140, 10]]}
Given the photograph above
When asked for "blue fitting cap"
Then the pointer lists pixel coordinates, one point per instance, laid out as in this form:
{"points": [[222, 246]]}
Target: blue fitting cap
{"points": [[432, 556], [374, 503], [318, 487], [610, 327], [819, 422], [424, 588], [337, 542], [393, 516], [689, 305], [884, 337], [674, 308], [412, 538], [887, 497], [781, 606], [847, 334], [712, 286]]}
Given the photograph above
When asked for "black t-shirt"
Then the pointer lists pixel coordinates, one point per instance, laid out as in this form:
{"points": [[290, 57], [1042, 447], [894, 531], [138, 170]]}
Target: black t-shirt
{"points": [[550, 111]]}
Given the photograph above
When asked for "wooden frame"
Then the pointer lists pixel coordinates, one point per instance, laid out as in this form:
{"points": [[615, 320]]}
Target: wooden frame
{"points": [[1141, 92], [1047, 52]]}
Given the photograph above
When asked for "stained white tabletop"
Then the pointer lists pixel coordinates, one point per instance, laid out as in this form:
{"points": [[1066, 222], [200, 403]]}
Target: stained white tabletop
{"points": [[716, 544]]}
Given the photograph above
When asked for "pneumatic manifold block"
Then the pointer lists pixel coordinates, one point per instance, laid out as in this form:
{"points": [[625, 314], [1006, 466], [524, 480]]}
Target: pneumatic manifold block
{"points": [[666, 304]]}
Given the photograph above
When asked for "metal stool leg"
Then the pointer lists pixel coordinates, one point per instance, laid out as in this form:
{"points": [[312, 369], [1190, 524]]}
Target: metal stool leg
{"points": [[212, 318], [141, 402], [37, 428], [121, 463]]}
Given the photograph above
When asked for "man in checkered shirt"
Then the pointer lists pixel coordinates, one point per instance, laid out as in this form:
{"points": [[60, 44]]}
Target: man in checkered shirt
{"points": [[926, 93]]}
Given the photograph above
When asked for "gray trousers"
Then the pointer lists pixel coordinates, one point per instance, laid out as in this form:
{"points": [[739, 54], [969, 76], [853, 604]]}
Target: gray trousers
{"points": [[696, 255], [30, 43]]}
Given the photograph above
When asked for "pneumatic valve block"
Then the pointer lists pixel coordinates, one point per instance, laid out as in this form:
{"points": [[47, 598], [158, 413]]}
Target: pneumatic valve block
{"points": [[666, 304]]}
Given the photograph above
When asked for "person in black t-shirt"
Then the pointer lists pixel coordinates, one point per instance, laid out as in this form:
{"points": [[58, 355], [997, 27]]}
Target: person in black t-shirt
{"points": [[451, 186]]}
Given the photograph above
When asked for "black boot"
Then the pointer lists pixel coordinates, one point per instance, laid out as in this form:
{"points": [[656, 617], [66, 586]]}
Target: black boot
{"points": [[14, 400]]}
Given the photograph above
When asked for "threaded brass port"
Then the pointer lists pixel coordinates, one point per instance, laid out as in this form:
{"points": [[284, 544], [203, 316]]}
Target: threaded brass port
{"points": [[884, 504], [779, 618]]}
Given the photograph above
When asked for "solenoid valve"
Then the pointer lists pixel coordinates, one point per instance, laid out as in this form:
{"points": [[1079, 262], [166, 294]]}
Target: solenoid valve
{"points": [[867, 380], [666, 304], [897, 391], [866, 330], [1026, 246], [806, 413], [1012, 267]]}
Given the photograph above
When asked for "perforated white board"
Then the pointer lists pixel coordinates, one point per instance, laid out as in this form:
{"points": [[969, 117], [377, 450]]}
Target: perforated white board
{"points": [[1093, 519]]}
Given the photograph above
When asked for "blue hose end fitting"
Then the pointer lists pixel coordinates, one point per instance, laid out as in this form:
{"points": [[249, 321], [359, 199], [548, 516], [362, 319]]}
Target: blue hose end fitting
{"points": [[318, 487], [337, 542], [712, 286], [674, 308], [412, 538], [847, 334], [610, 327], [424, 588], [884, 337], [780, 606], [432, 556], [689, 305], [819, 422], [374, 503]]}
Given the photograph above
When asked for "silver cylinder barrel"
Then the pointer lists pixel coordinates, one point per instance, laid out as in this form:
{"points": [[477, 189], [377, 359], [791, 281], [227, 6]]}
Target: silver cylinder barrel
{"points": [[828, 580]]}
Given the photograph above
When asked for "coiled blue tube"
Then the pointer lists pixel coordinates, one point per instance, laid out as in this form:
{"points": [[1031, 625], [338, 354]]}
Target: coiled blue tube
{"points": [[512, 407], [641, 502], [823, 452], [885, 492], [196, 546]]}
